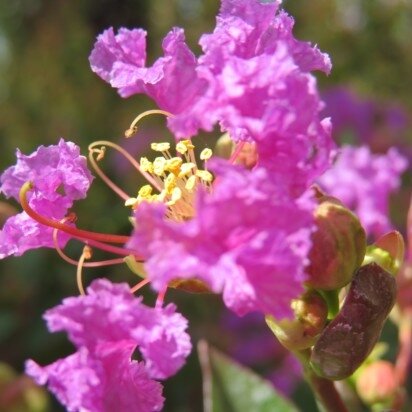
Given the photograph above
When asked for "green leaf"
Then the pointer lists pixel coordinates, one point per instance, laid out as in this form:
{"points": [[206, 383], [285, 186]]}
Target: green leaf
{"points": [[230, 387]]}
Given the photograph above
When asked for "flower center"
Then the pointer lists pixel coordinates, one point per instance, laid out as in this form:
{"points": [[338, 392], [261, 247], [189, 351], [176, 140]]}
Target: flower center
{"points": [[177, 179]]}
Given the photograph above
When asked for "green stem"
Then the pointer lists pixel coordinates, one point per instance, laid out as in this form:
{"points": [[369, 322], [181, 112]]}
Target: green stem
{"points": [[332, 300], [327, 397]]}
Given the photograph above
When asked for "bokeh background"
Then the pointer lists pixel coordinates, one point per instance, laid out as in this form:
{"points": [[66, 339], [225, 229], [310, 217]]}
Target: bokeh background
{"points": [[47, 91]]}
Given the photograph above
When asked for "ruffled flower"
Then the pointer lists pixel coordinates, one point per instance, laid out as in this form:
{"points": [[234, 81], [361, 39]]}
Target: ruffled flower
{"points": [[248, 240], [253, 79], [60, 176], [106, 326], [363, 182], [105, 379], [109, 312]]}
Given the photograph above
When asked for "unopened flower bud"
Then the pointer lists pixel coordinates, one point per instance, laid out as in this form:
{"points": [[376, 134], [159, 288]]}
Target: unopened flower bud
{"points": [[350, 337], [190, 285], [247, 156], [224, 146], [388, 251], [377, 383], [338, 246], [311, 312]]}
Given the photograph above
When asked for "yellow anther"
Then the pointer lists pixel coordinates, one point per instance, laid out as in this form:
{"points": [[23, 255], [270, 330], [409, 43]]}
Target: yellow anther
{"points": [[191, 183], [173, 165], [161, 196], [204, 175], [131, 131], [160, 147], [145, 191], [146, 165], [183, 146], [170, 183], [206, 154], [131, 201], [186, 168], [101, 152], [159, 166], [176, 196]]}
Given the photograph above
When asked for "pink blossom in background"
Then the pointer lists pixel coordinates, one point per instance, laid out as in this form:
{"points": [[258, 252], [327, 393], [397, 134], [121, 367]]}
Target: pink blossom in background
{"points": [[359, 120], [363, 181], [60, 176]]}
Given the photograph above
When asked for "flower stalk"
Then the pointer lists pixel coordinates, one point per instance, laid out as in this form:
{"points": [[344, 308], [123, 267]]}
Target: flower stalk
{"points": [[327, 397]]}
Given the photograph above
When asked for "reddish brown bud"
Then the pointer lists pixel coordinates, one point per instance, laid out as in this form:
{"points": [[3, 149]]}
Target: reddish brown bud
{"points": [[350, 337], [311, 312], [388, 251], [338, 246], [377, 383]]}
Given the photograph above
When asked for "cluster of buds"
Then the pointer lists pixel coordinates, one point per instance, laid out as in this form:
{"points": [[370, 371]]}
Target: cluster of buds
{"points": [[351, 291]]}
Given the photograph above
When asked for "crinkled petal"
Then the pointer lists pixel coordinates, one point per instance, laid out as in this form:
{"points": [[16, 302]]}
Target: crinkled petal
{"points": [[60, 176], [21, 233], [127, 47], [166, 346], [248, 240], [267, 100], [103, 380], [249, 28], [110, 313], [77, 381], [50, 168], [172, 81]]}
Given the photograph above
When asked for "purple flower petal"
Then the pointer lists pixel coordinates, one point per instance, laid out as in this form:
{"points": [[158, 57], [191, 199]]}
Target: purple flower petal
{"points": [[172, 81], [248, 240], [110, 313], [252, 78], [60, 176], [105, 379]]}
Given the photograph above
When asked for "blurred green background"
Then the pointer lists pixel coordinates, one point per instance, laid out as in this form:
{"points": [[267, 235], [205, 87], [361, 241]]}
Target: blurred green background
{"points": [[47, 91]]}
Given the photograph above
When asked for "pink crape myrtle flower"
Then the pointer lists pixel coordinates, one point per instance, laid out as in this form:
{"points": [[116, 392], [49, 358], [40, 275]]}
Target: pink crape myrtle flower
{"points": [[252, 78], [60, 176], [248, 241], [103, 380], [106, 326], [363, 181]]}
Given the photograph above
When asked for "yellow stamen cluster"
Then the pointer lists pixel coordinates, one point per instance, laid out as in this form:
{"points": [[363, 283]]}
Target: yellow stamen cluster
{"points": [[177, 179]]}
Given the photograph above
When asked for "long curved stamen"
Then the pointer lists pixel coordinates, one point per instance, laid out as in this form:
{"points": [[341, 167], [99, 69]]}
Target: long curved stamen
{"points": [[102, 175], [161, 297], [77, 233], [73, 262], [133, 127], [139, 285], [111, 249], [131, 160], [87, 254]]}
